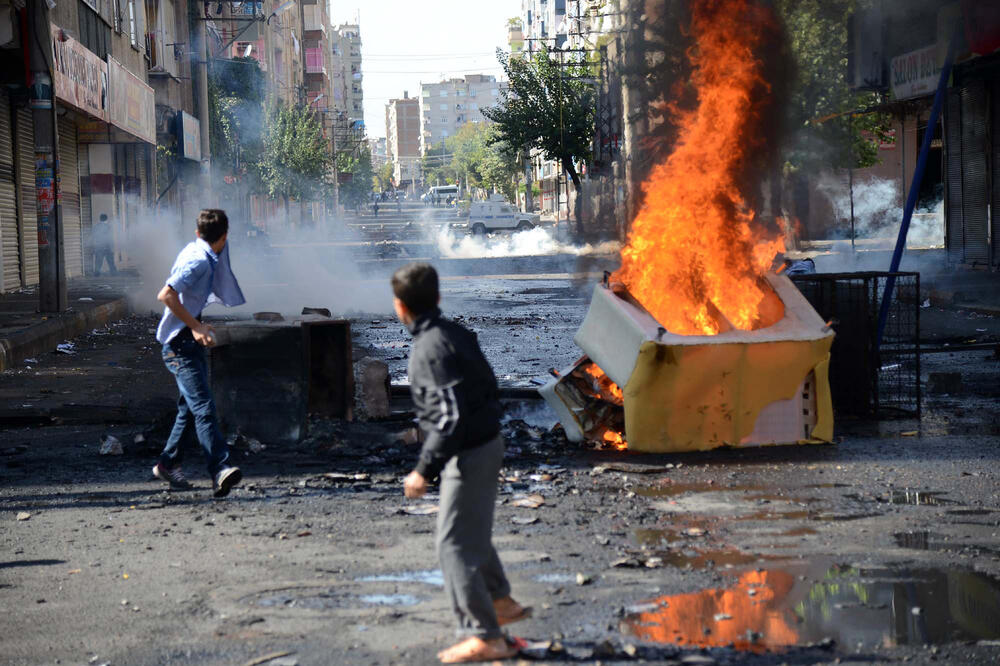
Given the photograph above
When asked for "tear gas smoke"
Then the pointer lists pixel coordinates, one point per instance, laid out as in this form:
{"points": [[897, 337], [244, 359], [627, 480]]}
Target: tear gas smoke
{"points": [[878, 214], [532, 242]]}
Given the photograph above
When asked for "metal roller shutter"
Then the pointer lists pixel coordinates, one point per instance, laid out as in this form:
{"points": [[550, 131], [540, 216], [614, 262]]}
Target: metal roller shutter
{"points": [[954, 225], [975, 173], [10, 277], [995, 173], [86, 218], [69, 192], [25, 156]]}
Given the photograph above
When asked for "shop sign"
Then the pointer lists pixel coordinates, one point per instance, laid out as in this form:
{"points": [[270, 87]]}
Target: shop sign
{"points": [[81, 78], [915, 74], [132, 104], [190, 136]]}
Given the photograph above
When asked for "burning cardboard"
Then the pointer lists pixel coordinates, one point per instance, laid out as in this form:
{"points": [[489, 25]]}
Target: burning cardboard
{"points": [[697, 392]]}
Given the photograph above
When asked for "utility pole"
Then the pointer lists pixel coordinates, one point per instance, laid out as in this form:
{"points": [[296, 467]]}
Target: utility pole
{"points": [[201, 78], [51, 253]]}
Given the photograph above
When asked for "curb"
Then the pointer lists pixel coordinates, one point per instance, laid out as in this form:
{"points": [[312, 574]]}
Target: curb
{"points": [[44, 336]]}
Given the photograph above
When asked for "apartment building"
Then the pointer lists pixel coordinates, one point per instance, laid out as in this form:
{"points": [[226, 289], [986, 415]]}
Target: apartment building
{"points": [[447, 105], [402, 133], [345, 45], [543, 22]]}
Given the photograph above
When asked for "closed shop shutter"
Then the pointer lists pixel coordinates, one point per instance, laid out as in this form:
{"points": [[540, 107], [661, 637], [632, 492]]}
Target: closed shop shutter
{"points": [[995, 173], [86, 218], [25, 156], [10, 278], [69, 192], [975, 213], [954, 226]]}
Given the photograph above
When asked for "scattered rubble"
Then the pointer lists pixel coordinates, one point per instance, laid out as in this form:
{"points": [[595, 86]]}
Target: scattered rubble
{"points": [[110, 446]]}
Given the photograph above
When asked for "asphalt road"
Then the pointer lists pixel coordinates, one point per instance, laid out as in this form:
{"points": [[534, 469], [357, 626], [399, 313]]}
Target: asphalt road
{"points": [[880, 548]]}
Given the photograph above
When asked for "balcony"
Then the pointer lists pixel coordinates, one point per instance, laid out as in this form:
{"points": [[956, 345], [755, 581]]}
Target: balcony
{"points": [[314, 19], [315, 62]]}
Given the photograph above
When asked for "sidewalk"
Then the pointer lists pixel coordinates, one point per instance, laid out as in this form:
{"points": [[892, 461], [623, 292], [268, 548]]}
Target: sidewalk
{"points": [[93, 302]]}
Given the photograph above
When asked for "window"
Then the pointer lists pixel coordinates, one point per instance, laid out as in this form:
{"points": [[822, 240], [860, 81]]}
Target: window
{"points": [[444, 134], [460, 93], [473, 93], [133, 25], [95, 34], [444, 119], [474, 106], [444, 93], [117, 18], [444, 107]]}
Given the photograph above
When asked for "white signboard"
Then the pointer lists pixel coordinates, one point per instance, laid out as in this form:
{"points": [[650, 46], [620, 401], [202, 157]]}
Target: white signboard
{"points": [[915, 74]]}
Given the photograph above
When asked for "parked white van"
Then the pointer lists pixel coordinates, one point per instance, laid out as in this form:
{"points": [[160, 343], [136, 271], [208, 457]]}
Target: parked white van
{"points": [[498, 215]]}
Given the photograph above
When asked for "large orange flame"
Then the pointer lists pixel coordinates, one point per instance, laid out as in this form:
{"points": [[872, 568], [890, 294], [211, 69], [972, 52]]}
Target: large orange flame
{"points": [[693, 244]]}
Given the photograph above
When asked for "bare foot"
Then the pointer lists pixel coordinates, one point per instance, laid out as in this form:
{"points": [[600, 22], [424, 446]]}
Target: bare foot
{"points": [[476, 649], [509, 611]]}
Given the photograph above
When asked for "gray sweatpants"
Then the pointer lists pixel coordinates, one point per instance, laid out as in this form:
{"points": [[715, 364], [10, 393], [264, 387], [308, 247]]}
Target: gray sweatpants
{"points": [[473, 575]]}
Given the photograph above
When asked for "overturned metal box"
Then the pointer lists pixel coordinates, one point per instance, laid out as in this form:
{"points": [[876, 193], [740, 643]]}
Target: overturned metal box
{"points": [[698, 392], [269, 376]]}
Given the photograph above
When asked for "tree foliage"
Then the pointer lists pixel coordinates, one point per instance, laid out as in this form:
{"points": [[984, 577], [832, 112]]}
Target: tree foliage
{"points": [[824, 132], [358, 188], [549, 106], [296, 157], [236, 113]]}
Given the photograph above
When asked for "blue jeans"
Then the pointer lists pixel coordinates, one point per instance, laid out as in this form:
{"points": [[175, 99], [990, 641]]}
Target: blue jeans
{"points": [[196, 417]]}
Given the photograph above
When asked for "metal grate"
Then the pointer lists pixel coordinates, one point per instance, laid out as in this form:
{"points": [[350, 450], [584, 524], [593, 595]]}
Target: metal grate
{"points": [[864, 381]]}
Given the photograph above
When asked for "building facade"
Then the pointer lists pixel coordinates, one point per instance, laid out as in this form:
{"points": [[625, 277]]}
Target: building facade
{"points": [[345, 47], [402, 139], [447, 105], [106, 137]]}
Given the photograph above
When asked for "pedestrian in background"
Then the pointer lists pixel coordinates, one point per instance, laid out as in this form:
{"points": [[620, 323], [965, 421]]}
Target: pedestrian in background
{"points": [[457, 403], [201, 275], [103, 241]]}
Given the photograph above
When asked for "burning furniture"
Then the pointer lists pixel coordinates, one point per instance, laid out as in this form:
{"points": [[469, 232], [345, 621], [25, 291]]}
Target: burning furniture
{"points": [[268, 376], [754, 387]]}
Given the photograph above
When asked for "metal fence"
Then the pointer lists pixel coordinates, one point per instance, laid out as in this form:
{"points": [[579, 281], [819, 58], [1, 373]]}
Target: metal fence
{"points": [[866, 381]]}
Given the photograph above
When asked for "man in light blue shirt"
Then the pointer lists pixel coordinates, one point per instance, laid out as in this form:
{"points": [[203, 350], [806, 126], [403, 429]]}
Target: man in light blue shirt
{"points": [[201, 275]]}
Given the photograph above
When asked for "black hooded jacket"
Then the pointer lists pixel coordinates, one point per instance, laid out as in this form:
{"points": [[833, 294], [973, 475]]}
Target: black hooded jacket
{"points": [[454, 390]]}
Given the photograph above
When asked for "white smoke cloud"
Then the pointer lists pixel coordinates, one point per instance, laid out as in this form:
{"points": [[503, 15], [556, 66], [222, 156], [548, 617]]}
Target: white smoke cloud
{"points": [[532, 242], [877, 213]]}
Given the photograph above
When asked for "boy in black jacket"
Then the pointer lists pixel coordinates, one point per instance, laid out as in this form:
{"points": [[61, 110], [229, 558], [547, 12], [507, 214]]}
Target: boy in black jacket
{"points": [[455, 394]]}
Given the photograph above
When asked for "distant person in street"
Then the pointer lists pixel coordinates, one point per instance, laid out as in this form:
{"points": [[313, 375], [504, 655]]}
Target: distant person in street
{"points": [[399, 206], [457, 403], [103, 245], [375, 208], [201, 275]]}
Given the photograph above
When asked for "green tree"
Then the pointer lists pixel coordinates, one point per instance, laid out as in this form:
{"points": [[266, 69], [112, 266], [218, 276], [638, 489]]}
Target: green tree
{"points": [[296, 157], [384, 176], [236, 113], [549, 106], [500, 168], [358, 188], [820, 101], [436, 165]]}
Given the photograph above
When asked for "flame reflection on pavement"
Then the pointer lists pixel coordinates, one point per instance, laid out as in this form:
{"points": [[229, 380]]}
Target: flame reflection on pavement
{"points": [[769, 609]]}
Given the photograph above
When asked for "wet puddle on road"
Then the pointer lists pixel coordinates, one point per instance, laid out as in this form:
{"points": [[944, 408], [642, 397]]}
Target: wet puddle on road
{"points": [[390, 599], [430, 577], [774, 608], [309, 598], [920, 540]]}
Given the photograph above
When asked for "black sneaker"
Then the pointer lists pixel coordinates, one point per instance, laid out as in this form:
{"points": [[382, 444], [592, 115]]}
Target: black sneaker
{"points": [[172, 476], [225, 480]]}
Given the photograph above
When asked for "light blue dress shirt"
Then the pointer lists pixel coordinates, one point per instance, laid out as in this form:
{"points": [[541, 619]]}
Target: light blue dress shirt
{"points": [[200, 277]]}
